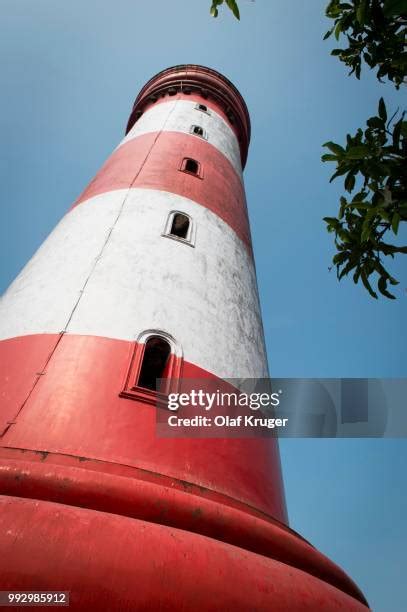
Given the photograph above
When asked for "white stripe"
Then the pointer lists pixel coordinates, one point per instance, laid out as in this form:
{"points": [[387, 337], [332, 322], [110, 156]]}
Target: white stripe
{"points": [[179, 116], [90, 279]]}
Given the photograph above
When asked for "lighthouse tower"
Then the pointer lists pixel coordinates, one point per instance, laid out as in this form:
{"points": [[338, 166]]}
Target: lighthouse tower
{"points": [[149, 275]]}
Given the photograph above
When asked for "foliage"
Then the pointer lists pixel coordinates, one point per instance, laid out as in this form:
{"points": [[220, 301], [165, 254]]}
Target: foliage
{"points": [[232, 4], [377, 157], [374, 161], [374, 158], [376, 33]]}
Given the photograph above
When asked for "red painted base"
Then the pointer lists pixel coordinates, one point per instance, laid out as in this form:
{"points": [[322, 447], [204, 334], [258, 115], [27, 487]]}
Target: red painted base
{"points": [[122, 543], [112, 562], [94, 503]]}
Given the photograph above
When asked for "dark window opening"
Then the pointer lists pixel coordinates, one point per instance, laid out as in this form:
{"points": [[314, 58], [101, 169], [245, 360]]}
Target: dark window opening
{"points": [[197, 130], [155, 358], [191, 166], [203, 108], [180, 226]]}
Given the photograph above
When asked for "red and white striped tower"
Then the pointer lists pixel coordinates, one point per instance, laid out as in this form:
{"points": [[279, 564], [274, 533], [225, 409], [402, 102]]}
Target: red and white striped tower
{"points": [[151, 270]]}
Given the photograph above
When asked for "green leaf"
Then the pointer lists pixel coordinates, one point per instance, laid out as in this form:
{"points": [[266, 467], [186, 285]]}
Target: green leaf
{"points": [[356, 276], [382, 285], [395, 223], [359, 206], [339, 172], [404, 128], [365, 235], [384, 214], [343, 235], [382, 110], [340, 257], [338, 29], [329, 157], [361, 12], [232, 4], [349, 266], [366, 283], [359, 197], [333, 221], [335, 148], [349, 182], [328, 34], [358, 152], [214, 8]]}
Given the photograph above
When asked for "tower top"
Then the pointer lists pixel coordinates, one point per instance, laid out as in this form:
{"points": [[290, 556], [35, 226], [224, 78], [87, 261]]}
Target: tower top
{"points": [[208, 83]]}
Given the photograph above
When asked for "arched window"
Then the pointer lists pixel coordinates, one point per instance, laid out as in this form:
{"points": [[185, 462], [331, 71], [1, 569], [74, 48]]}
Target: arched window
{"points": [[155, 358], [197, 130], [155, 368], [179, 226]]}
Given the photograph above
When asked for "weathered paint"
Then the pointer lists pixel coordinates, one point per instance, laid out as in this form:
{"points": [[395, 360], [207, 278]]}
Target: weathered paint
{"points": [[93, 501], [130, 564], [154, 161], [72, 406], [108, 256], [157, 503]]}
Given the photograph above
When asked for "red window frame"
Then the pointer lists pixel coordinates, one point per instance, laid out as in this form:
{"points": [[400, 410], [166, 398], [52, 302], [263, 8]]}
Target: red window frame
{"points": [[172, 374]]}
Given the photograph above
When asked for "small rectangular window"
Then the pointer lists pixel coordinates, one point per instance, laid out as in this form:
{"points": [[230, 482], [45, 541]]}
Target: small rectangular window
{"points": [[179, 226], [197, 130], [203, 108], [191, 166]]}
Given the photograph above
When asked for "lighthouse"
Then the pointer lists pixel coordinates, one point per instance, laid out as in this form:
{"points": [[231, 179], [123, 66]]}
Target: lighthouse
{"points": [[150, 275]]}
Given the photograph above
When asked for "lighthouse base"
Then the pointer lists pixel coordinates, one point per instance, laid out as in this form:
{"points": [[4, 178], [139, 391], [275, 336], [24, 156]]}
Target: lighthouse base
{"points": [[110, 561]]}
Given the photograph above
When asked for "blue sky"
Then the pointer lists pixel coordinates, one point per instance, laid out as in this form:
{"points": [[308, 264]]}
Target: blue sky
{"points": [[70, 72]]}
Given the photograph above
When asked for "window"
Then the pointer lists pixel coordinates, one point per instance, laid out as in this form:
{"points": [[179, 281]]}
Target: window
{"points": [[191, 166], [156, 359], [203, 108], [197, 130], [153, 365], [179, 226]]}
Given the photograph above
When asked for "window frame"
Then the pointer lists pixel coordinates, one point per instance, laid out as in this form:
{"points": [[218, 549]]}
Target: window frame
{"points": [[204, 135], [182, 167], [130, 387], [191, 234], [198, 107]]}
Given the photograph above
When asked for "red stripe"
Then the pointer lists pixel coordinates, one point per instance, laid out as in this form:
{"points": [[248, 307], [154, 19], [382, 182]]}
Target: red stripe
{"points": [[197, 99], [21, 364], [153, 161], [74, 408]]}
